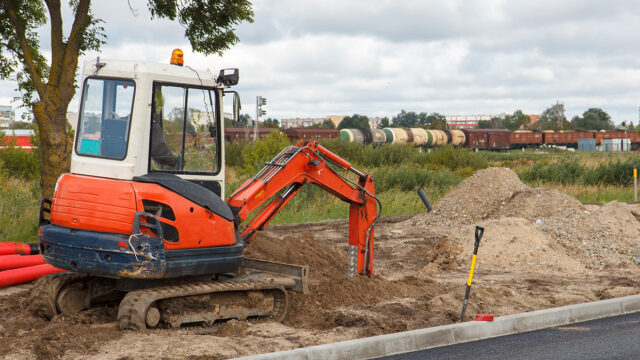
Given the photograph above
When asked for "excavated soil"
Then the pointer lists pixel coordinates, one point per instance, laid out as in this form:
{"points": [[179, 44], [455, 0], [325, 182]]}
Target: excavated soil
{"points": [[541, 249]]}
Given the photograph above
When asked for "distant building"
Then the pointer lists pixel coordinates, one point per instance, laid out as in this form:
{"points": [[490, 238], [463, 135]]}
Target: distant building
{"points": [[335, 119], [6, 116], [469, 121], [300, 122]]}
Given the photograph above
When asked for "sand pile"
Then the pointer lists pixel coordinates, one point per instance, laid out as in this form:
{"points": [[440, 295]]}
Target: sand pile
{"points": [[476, 198], [529, 228]]}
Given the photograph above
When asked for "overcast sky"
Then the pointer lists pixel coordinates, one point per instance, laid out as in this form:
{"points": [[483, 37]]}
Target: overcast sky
{"points": [[372, 57]]}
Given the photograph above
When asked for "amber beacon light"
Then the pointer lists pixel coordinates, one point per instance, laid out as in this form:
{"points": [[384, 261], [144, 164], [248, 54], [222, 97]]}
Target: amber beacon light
{"points": [[177, 57]]}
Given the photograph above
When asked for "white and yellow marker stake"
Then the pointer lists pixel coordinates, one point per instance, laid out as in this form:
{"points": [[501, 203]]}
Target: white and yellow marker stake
{"points": [[479, 232], [635, 184]]}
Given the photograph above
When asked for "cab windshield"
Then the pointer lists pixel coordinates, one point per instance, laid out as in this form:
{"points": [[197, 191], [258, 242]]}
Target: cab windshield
{"points": [[105, 116], [184, 130]]}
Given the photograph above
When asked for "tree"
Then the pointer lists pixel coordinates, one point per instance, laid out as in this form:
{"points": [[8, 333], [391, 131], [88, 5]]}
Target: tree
{"points": [[354, 121], [17, 125], [436, 121], [552, 118], [515, 121], [48, 87], [405, 119], [271, 123], [384, 123], [592, 119], [326, 124]]}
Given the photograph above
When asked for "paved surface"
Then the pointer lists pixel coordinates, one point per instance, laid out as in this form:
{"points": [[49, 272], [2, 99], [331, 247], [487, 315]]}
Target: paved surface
{"points": [[609, 338]]}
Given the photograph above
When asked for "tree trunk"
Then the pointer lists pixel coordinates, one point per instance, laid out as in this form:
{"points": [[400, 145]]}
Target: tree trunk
{"points": [[50, 114]]}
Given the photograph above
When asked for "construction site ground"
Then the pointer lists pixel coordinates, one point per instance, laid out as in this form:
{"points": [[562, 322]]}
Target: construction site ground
{"points": [[541, 249]]}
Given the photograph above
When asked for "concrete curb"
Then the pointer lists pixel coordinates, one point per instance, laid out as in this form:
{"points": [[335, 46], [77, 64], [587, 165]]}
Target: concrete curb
{"points": [[421, 339]]}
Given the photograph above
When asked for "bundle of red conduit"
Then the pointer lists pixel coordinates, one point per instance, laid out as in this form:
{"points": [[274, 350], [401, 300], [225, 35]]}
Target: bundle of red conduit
{"points": [[21, 263]]}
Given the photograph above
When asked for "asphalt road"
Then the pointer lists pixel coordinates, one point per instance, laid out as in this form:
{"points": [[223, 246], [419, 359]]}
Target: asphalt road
{"points": [[609, 338]]}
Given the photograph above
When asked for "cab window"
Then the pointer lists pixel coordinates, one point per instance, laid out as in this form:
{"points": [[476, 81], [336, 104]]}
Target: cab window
{"points": [[184, 130], [103, 126]]}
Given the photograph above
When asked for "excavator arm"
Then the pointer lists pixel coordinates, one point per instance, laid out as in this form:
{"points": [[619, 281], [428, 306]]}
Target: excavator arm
{"points": [[308, 163]]}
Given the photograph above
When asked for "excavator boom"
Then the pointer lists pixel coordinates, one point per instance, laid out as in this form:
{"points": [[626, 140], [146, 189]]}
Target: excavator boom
{"points": [[308, 163]]}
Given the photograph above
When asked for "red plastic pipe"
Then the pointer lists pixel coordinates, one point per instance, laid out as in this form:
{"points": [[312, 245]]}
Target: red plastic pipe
{"points": [[25, 274], [12, 248], [19, 261]]}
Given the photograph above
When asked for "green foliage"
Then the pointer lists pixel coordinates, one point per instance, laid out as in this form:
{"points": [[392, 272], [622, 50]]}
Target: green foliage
{"points": [[384, 123], [354, 121], [515, 121], [568, 171], [255, 154], [593, 119], [20, 163], [407, 119], [456, 158], [552, 118], [271, 123], [563, 172], [411, 119], [18, 125], [19, 206], [233, 153], [209, 25], [327, 124], [410, 178]]}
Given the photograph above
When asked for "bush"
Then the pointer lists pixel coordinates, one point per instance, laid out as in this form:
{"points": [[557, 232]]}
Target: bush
{"points": [[20, 163], [233, 153], [562, 172], [456, 158], [255, 154]]}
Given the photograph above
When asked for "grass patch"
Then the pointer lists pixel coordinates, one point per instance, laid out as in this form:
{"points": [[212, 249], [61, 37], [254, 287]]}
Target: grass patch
{"points": [[19, 206]]}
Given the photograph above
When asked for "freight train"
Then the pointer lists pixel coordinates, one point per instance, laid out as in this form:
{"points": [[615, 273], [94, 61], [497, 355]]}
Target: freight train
{"points": [[483, 139]]}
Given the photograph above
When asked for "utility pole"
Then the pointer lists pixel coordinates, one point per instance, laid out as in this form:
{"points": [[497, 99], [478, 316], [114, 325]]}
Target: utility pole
{"points": [[260, 101]]}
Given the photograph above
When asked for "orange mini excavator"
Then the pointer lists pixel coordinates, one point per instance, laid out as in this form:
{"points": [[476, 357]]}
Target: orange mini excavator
{"points": [[140, 218]]}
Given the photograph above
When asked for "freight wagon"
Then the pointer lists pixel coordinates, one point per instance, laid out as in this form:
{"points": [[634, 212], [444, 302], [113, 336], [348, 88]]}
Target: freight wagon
{"points": [[236, 134], [487, 139], [311, 133]]}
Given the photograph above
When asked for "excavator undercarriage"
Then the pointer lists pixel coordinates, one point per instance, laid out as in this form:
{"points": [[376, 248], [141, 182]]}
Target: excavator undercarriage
{"points": [[258, 291]]}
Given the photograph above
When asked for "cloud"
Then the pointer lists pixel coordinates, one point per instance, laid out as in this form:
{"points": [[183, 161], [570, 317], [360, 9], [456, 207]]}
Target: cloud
{"points": [[312, 58]]}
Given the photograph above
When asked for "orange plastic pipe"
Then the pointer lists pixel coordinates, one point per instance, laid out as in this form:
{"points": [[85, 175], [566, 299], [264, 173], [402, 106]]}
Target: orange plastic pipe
{"points": [[19, 261], [25, 274], [12, 248]]}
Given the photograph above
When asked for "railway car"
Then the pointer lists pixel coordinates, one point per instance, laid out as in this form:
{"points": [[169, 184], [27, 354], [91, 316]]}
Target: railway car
{"points": [[567, 138], [311, 133], [525, 138], [487, 139], [238, 134], [616, 134], [457, 137], [398, 135]]}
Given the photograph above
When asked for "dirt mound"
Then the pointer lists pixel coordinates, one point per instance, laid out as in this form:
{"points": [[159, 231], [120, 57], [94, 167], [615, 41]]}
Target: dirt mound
{"points": [[565, 234], [476, 198], [334, 297]]}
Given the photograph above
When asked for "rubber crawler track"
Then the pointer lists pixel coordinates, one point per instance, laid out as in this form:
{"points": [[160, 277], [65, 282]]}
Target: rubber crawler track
{"points": [[46, 289], [133, 308]]}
